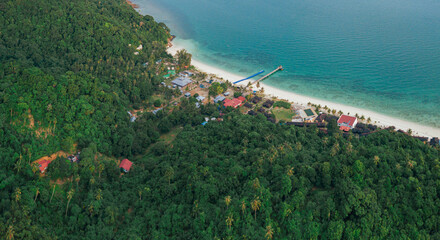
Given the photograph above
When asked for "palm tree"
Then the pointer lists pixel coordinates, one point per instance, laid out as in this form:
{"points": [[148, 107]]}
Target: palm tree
{"points": [[290, 171], [100, 169], [69, 197], [349, 148], [17, 194], [340, 112], [325, 140], [229, 221], [34, 167], [368, 120], [169, 173], [376, 159], [10, 233], [36, 194], [77, 179], [298, 146], [256, 184], [334, 111], [227, 201], [91, 208], [53, 191], [140, 194], [269, 232], [98, 195], [243, 206], [256, 204], [335, 149]]}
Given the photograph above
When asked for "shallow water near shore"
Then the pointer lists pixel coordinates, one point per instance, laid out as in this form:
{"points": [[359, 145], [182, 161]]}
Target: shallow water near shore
{"points": [[383, 56]]}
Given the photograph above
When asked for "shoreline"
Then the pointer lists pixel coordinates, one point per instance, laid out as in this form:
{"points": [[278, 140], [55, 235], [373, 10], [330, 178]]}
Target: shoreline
{"points": [[376, 118], [133, 5]]}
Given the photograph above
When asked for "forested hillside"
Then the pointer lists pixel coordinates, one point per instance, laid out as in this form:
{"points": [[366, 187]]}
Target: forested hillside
{"points": [[68, 76], [69, 71]]}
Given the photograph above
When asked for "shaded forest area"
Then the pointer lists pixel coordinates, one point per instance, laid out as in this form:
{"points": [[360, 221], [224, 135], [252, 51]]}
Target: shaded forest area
{"points": [[68, 76]]}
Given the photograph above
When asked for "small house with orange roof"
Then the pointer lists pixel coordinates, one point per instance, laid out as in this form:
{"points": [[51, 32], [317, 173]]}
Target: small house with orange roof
{"points": [[42, 165], [125, 165], [235, 103]]}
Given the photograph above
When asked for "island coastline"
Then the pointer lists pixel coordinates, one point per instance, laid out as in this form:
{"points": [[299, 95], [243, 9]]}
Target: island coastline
{"points": [[376, 118]]}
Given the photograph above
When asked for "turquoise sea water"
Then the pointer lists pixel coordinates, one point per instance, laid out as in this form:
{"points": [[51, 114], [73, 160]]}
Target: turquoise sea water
{"points": [[382, 55]]}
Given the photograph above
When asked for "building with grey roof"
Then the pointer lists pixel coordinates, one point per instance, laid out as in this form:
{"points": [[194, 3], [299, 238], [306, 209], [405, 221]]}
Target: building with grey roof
{"points": [[219, 98], [181, 81]]}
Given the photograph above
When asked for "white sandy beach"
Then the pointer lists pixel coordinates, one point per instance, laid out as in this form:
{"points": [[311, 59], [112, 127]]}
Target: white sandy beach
{"points": [[377, 118]]}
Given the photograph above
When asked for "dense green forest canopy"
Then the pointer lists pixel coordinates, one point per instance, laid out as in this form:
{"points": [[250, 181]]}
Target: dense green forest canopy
{"points": [[69, 70], [68, 76]]}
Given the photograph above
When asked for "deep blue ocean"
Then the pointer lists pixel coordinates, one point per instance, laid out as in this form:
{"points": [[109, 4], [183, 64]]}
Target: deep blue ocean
{"points": [[382, 55]]}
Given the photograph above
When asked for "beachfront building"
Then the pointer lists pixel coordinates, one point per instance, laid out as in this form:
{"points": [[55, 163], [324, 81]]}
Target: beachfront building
{"points": [[181, 81], [308, 115], [346, 122], [125, 165]]}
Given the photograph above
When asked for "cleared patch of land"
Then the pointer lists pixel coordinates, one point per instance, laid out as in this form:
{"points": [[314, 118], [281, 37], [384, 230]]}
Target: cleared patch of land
{"points": [[169, 137], [283, 114]]}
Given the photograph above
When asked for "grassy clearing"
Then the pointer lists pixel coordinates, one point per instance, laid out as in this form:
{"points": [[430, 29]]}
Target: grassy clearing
{"points": [[283, 114], [169, 137]]}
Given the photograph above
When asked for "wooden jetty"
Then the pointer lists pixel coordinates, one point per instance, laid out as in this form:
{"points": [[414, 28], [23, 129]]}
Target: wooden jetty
{"points": [[267, 75]]}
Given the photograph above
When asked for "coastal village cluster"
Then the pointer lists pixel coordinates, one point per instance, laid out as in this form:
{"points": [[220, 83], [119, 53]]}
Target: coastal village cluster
{"points": [[251, 100], [202, 89]]}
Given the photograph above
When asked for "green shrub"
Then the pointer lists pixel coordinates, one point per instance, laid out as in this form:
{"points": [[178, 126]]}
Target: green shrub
{"points": [[282, 104]]}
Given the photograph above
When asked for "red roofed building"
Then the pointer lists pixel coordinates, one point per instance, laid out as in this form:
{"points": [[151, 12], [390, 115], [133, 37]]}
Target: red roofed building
{"points": [[346, 122], [42, 165], [235, 103], [125, 165]]}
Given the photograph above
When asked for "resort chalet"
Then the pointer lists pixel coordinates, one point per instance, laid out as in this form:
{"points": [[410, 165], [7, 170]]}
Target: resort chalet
{"points": [[181, 81], [346, 122], [235, 103], [125, 165]]}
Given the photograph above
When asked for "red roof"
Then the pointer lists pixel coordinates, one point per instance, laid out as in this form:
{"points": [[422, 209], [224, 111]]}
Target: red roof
{"points": [[349, 120], [344, 128], [43, 165], [126, 164], [242, 99], [233, 102]]}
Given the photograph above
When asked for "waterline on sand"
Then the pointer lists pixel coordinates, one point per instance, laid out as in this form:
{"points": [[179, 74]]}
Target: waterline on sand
{"points": [[376, 118]]}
